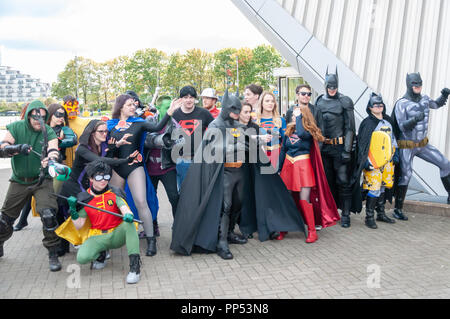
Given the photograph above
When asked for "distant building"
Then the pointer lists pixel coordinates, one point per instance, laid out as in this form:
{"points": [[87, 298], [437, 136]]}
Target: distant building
{"points": [[18, 87]]}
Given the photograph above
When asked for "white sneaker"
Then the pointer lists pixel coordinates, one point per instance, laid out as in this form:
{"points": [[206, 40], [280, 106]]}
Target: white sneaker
{"points": [[318, 227], [133, 278], [108, 254], [97, 265]]}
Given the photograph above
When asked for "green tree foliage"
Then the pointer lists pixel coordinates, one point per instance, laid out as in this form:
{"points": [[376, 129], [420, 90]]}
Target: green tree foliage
{"points": [[97, 84]]}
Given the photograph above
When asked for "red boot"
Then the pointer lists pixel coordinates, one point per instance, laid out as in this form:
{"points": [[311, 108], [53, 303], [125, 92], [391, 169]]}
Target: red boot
{"points": [[282, 234], [308, 214]]}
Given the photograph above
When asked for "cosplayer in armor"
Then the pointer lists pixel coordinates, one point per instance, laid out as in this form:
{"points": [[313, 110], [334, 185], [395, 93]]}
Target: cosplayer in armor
{"points": [[411, 115], [216, 192], [98, 231], [339, 132], [29, 177], [377, 155], [76, 123]]}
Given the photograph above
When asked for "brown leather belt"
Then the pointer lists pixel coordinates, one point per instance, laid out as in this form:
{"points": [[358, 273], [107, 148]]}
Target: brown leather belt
{"points": [[334, 141], [405, 144], [28, 179], [233, 165]]}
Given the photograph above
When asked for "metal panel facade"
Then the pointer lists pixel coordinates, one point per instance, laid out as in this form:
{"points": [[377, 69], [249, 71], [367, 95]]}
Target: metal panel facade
{"points": [[382, 40]]}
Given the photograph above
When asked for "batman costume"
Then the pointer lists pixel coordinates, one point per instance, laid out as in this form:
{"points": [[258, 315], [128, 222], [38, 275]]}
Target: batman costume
{"points": [[339, 132], [411, 115], [216, 190]]}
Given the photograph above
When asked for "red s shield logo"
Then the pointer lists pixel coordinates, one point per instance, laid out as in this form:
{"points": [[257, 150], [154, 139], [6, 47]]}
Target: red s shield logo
{"points": [[189, 126]]}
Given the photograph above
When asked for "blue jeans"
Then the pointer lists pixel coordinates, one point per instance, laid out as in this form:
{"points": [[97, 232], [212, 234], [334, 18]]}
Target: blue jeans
{"points": [[182, 168]]}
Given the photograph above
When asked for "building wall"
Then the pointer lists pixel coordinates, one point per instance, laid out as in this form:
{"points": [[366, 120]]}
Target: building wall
{"points": [[382, 40], [18, 87], [373, 43]]}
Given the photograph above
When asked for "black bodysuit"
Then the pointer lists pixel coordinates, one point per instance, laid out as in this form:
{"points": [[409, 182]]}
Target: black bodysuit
{"points": [[124, 151]]}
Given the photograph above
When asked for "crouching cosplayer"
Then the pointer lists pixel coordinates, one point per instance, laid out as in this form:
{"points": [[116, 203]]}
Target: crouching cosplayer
{"points": [[103, 230]]}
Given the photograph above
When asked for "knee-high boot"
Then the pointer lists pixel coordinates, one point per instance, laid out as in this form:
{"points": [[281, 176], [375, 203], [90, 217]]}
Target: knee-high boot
{"points": [[308, 214], [399, 199], [446, 181], [222, 245]]}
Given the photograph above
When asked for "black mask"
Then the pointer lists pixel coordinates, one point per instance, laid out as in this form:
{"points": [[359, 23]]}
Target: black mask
{"points": [[413, 79], [375, 99], [230, 104], [331, 82]]}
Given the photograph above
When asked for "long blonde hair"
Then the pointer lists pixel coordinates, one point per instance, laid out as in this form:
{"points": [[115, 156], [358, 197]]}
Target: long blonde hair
{"points": [[275, 114], [309, 124]]}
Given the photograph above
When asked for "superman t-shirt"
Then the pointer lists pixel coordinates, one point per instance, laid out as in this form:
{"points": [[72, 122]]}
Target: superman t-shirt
{"points": [[193, 125]]}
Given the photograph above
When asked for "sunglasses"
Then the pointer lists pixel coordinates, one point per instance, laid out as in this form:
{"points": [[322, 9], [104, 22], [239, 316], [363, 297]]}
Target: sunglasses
{"points": [[377, 105], [304, 94], [58, 114], [102, 131], [99, 178]]}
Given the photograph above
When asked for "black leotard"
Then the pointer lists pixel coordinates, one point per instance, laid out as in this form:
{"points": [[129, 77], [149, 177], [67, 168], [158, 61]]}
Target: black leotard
{"points": [[124, 151]]}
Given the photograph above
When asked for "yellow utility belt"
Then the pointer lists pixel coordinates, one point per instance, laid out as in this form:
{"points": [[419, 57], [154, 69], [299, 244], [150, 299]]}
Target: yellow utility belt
{"points": [[275, 147], [96, 232], [405, 144], [334, 141], [297, 158], [233, 165]]}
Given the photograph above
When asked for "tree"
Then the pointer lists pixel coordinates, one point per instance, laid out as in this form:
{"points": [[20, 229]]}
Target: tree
{"points": [[265, 60], [142, 70]]}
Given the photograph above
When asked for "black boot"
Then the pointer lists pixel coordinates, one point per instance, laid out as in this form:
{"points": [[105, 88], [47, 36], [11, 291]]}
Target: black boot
{"points": [[151, 246], [222, 245], [23, 217], [370, 212], [1, 249], [446, 182], [234, 238], [135, 269], [345, 217], [64, 247], [156, 228], [54, 263], [380, 209], [399, 200]]}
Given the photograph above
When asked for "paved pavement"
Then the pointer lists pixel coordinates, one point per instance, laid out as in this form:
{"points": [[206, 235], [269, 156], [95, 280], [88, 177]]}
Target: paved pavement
{"points": [[405, 260]]}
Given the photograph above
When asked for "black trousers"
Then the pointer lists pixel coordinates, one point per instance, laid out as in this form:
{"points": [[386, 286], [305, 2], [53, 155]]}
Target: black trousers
{"points": [[169, 180], [233, 190], [338, 176]]}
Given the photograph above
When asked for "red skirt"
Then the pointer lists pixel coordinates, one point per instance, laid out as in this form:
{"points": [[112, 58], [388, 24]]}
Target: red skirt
{"points": [[297, 173]]}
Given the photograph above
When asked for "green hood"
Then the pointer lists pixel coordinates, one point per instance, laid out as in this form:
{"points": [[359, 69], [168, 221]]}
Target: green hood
{"points": [[36, 104]]}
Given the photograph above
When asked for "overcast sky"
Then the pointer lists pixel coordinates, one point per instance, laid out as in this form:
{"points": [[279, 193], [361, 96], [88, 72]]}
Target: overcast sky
{"points": [[38, 37]]}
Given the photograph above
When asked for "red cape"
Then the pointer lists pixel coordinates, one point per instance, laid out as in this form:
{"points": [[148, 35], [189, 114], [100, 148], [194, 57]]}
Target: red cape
{"points": [[325, 210]]}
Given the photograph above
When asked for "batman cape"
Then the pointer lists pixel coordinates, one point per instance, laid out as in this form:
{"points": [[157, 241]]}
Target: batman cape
{"points": [[267, 205]]}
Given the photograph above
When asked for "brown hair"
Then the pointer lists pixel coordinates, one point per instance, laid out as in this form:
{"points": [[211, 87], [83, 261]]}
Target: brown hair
{"points": [[308, 123], [120, 102], [24, 110], [275, 115], [255, 89], [301, 86], [91, 142], [52, 110]]}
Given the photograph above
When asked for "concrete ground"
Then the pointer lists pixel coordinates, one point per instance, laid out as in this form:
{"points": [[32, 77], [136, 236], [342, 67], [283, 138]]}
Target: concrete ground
{"points": [[405, 260]]}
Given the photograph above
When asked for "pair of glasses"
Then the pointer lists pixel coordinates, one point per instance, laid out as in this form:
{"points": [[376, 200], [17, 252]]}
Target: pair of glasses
{"points": [[72, 103], [58, 114], [102, 131], [305, 94], [99, 178]]}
